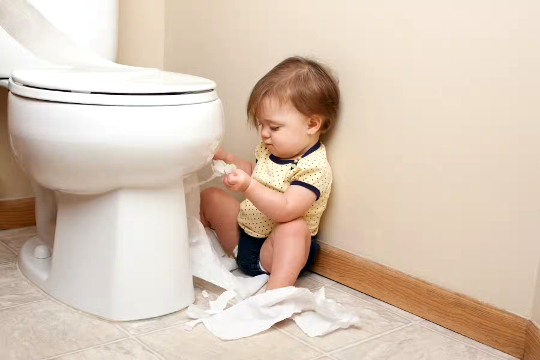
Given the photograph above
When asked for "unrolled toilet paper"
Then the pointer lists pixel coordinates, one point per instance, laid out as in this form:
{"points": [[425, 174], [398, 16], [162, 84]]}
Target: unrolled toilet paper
{"points": [[313, 312]]}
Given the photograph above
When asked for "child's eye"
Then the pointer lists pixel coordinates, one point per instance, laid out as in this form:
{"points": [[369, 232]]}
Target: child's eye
{"points": [[274, 128]]}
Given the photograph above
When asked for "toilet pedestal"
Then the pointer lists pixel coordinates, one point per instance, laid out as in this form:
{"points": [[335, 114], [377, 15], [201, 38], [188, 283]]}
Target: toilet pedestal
{"points": [[121, 255]]}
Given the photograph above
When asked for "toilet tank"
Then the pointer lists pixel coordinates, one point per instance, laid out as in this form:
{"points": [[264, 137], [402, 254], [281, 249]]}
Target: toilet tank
{"points": [[90, 23]]}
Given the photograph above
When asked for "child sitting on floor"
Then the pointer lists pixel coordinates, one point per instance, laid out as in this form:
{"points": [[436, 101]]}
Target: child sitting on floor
{"points": [[288, 186]]}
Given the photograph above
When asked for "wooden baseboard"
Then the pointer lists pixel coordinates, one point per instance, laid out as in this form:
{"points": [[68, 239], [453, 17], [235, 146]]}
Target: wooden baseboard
{"points": [[532, 345], [17, 213], [479, 321]]}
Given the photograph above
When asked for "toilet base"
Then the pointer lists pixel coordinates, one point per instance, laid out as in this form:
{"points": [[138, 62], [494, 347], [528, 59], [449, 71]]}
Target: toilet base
{"points": [[122, 255]]}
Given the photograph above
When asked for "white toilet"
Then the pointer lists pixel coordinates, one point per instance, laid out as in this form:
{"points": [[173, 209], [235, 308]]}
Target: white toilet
{"points": [[107, 149]]}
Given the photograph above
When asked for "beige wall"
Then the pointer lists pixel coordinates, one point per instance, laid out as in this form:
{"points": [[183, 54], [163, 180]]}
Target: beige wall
{"points": [[141, 33], [436, 156], [13, 182]]}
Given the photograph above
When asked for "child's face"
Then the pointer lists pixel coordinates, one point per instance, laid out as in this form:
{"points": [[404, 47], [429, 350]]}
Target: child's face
{"points": [[285, 131]]}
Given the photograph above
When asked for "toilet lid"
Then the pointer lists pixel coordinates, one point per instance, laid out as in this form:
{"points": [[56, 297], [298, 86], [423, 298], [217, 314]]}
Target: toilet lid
{"points": [[122, 85]]}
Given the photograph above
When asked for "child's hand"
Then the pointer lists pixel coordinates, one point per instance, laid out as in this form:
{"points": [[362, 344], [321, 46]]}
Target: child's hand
{"points": [[238, 181]]}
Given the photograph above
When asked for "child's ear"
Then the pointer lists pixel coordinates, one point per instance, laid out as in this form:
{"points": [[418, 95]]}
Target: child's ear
{"points": [[314, 124]]}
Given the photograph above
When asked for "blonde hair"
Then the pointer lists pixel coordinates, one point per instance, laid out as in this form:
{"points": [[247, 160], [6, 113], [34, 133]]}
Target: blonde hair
{"points": [[309, 86]]}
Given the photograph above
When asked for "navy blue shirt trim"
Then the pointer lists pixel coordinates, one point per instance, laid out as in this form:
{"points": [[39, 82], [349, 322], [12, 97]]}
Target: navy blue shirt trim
{"points": [[287, 161], [308, 186]]}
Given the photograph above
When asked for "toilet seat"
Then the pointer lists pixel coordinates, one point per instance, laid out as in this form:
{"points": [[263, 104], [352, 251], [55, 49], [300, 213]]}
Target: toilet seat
{"points": [[117, 86]]}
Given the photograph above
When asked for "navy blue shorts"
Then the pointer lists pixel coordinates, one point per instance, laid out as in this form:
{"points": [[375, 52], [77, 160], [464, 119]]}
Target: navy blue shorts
{"points": [[249, 254]]}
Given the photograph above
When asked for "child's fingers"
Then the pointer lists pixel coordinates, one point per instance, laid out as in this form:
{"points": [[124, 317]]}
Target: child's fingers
{"points": [[232, 179]]}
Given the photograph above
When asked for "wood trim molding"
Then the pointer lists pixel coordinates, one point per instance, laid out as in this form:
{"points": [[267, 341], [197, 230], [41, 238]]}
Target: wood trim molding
{"points": [[532, 345], [17, 213], [479, 321]]}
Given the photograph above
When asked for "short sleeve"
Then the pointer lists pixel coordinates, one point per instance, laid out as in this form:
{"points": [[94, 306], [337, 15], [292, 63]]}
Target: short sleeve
{"points": [[260, 151], [315, 179]]}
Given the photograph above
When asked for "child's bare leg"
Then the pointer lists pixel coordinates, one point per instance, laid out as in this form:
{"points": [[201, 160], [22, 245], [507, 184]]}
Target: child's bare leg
{"points": [[219, 211], [285, 253]]}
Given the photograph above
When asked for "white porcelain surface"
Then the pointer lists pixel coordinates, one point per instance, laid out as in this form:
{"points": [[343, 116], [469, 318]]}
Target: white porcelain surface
{"points": [[89, 149], [114, 80], [120, 239], [93, 24]]}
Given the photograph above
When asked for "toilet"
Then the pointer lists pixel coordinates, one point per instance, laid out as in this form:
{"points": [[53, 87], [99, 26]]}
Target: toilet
{"points": [[107, 148]]}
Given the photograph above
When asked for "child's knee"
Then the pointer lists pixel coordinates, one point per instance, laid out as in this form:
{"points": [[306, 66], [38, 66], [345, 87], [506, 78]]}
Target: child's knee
{"points": [[297, 228], [212, 195]]}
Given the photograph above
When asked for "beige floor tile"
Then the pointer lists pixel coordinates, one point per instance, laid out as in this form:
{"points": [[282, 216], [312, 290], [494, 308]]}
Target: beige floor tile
{"points": [[203, 284], [14, 289], [9, 273], [377, 321], [6, 255], [199, 344], [179, 317], [45, 329], [319, 278], [372, 300], [467, 340], [15, 244], [122, 350], [305, 281], [20, 232], [18, 292], [413, 342]]}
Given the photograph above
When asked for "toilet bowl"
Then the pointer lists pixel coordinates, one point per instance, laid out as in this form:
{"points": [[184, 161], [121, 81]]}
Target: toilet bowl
{"points": [[107, 149], [120, 245]]}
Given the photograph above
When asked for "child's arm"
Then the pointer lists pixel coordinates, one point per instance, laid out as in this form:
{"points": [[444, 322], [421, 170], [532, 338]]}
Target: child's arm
{"points": [[229, 158], [280, 207]]}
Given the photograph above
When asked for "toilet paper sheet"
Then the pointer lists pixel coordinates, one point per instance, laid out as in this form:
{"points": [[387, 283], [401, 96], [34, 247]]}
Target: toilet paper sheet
{"points": [[315, 314]]}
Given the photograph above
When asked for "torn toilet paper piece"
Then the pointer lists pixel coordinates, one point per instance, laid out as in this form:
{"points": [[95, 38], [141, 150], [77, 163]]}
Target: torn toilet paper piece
{"points": [[313, 313], [222, 168], [208, 265], [219, 168]]}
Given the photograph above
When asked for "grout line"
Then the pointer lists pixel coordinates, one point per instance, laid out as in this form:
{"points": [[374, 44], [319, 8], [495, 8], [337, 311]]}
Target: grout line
{"points": [[19, 305], [122, 330], [81, 350], [301, 341], [461, 341], [163, 328], [155, 352], [9, 249], [371, 338]]}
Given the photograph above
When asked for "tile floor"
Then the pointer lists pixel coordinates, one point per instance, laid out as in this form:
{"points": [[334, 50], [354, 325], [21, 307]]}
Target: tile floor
{"points": [[34, 326]]}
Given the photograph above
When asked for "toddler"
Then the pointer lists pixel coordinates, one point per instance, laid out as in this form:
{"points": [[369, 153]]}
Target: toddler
{"points": [[288, 186]]}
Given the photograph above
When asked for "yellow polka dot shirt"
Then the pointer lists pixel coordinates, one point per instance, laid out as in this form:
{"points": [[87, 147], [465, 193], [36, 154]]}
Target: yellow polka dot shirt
{"points": [[311, 171]]}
